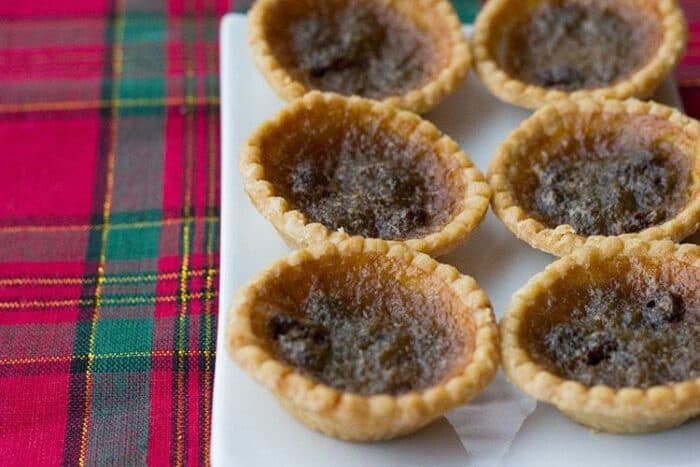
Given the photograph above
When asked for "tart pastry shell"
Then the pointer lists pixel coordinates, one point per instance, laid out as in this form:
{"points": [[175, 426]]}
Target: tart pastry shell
{"points": [[293, 225], [437, 16], [549, 123], [353, 416], [623, 410], [641, 83]]}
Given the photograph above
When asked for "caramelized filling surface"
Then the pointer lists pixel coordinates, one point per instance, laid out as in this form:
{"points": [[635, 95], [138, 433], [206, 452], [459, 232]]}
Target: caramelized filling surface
{"points": [[374, 335], [610, 193], [605, 181], [638, 331], [357, 48], [373, 184], [383, 199], [567, 45]]}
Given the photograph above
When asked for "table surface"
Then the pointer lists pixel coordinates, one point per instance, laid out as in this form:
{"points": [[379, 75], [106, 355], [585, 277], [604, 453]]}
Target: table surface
{"points": [[109, 226]]}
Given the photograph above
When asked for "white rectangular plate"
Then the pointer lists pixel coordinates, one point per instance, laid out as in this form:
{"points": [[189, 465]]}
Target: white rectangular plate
{"points": [[249, 426]]}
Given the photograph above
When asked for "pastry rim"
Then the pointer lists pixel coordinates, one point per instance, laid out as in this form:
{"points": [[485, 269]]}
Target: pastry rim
{"points": [[293, 224], [665, 405], [349, 415], [562, 239], [641, 83], [420, 100]]}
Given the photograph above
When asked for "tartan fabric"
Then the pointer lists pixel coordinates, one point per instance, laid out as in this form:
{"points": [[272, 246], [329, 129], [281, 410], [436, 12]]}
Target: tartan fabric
{"points": [[109, 131], [109, 228]]}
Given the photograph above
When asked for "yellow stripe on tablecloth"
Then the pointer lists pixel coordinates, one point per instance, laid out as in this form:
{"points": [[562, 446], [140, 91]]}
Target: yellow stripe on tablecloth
{"points": [[110, 279], [118, 226], [69, 358], [116, 301]]}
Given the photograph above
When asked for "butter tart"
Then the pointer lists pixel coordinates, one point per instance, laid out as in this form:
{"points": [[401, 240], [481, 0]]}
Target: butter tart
{"points": [[584, 168], [408, 53], [533, 52], [610, 335], [364, 340], [329, 167]]}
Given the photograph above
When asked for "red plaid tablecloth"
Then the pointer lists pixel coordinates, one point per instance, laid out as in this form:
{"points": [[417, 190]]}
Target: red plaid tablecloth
{"points": [[109, 168]]}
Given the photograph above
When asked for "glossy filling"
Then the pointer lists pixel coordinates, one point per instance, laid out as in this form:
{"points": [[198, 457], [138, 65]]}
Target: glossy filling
{"points": [[608, 177], [620, 333], [379, 199], [358, 49], [376, 185], [372, 337], [609, 194], [567, 45]]}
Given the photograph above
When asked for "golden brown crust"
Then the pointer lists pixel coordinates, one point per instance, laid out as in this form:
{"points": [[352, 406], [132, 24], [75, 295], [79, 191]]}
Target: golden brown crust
{"points": [[642, 83], [625, 410], [438, 14], [357, 417], [292, 224], [547, 121]]}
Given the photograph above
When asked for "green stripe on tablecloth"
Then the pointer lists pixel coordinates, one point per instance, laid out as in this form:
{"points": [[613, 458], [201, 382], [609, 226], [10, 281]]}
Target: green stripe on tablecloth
{"points": [[116, 336], [144, 54], [467, 9], [145, 27], [133, 243]]}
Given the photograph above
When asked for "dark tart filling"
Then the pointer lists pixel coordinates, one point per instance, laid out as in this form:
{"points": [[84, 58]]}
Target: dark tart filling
{"points": [[384, 199], [610, 194], [606, 184], [356, 47], [640, 331], [368, 335], [372, 184], [569, 45]]}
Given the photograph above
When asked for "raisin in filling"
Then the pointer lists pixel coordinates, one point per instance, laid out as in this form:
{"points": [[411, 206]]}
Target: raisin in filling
{"points": [[619, 190], [372, 349], [568, 46], [626, 338], [360, 50]]}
